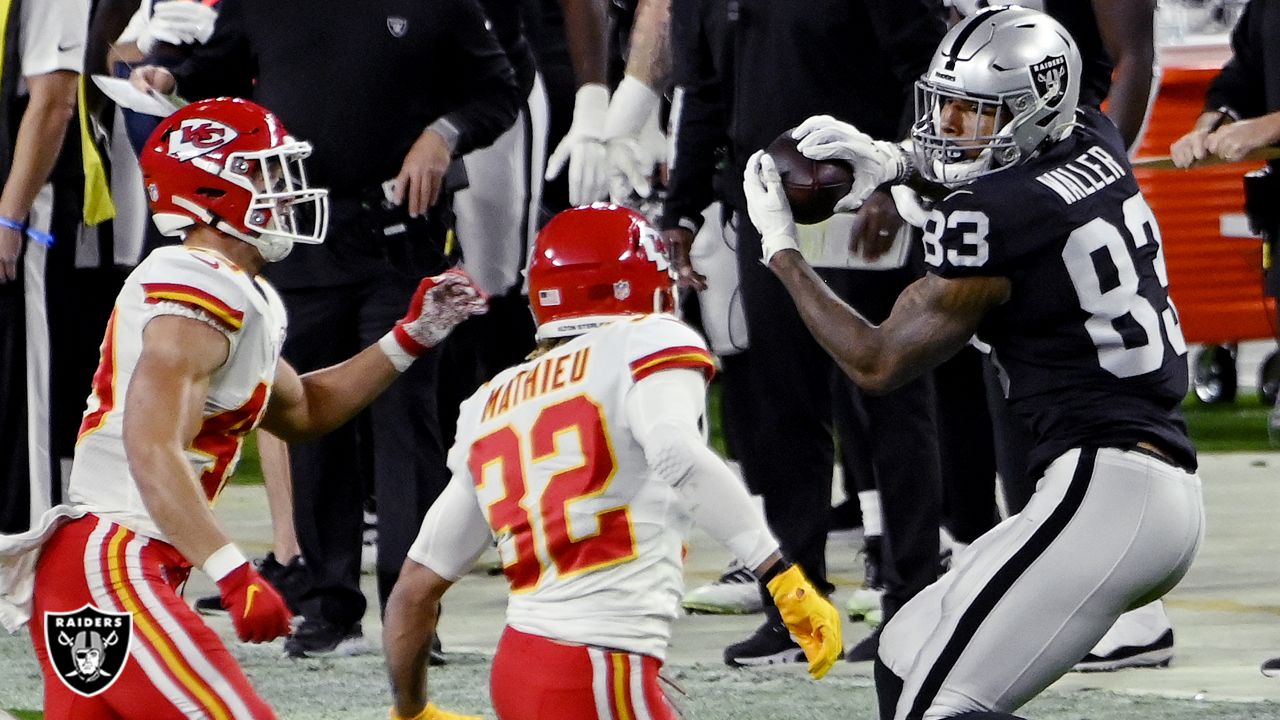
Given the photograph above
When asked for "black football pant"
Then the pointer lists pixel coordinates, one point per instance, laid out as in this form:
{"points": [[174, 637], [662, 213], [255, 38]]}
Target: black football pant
{"points": [[967, 446], [897, 434], [394, 447], [1013, 443]]}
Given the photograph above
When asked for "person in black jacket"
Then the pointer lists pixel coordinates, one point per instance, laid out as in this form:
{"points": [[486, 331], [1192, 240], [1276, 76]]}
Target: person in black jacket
{"points": [[748, 70], [387, 93], [1241, 115]]}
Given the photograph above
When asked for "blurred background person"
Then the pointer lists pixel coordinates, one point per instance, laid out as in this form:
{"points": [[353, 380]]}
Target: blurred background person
{"points": [[1241, 115], [744, 78], [43, 50]]}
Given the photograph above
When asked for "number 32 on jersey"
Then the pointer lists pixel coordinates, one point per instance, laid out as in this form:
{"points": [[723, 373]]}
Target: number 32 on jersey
{"points": [[1129, 331], [523, 521]]}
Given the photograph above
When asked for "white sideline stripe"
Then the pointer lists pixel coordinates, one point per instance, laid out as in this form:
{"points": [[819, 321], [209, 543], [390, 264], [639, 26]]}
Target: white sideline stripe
{"points": [[217, 682], [95, 574], [639, 703], [600, 683]]}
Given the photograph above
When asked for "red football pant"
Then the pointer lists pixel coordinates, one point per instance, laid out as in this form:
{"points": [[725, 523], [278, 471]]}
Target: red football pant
{"points": [[535, 678], [177, 667]]}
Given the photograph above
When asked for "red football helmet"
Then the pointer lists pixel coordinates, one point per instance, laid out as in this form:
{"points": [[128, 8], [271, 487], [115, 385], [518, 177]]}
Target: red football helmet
{"points": [[230, 164], [592, 265]]}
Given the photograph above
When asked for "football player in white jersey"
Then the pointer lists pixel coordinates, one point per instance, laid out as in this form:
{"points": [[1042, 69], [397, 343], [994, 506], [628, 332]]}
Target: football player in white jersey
{"points": [[588, 465], [190, 364]]}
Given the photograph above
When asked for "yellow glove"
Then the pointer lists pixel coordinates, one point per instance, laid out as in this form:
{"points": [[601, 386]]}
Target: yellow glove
{"points": [[811, 618], [431, 712]]}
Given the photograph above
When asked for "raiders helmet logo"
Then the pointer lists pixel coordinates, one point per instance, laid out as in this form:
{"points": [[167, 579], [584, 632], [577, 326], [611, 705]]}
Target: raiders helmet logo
{"points": [[397, 26], [1049, 78], [198, 136], [88, 647]]}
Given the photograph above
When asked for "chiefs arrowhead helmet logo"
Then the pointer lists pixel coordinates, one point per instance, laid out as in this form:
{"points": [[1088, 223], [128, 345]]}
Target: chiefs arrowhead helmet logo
{"points": [[198, 136]]}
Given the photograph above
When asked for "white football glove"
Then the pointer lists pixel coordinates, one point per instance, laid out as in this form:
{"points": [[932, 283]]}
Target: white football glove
{"points": [[177, 22], [875, 162], [633, 141], [439, 304], [583, 147], [767, 205]]}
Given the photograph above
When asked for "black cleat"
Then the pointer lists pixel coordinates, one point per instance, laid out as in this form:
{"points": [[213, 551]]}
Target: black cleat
{"points": [[770, 644], [316, 638]]}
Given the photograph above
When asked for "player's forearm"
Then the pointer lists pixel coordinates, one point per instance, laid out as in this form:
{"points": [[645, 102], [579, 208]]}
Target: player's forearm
{"points": [[174, 499], [650, 58], [331, 396], [848, 338], [39, 140], [722, 507], [1130, 92], [584, 22], [1127, 29], [411, 615]]}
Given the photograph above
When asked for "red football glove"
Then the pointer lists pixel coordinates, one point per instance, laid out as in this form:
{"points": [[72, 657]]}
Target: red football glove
{"points": [[440, 303], [257, 610]]}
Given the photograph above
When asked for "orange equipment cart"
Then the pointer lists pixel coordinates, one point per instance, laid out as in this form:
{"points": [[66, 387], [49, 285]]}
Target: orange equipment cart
{"points": [[1214, 261]]}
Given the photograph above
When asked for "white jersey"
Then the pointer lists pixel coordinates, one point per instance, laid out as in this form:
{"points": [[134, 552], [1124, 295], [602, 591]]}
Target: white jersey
{"points": [[590, 540], [203, 285]]}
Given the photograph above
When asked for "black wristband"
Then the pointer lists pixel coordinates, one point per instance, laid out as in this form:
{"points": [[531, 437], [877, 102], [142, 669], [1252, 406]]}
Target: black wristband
{"points": [[778, 568]]}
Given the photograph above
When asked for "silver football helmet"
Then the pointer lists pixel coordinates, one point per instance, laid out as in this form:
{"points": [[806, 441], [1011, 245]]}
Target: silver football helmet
{"points": [[1017, 64]]}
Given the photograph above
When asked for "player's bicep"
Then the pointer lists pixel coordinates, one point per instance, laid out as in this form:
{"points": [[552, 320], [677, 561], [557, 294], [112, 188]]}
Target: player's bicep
{"points": [[936, 316], [171, 380], [287, 402]]}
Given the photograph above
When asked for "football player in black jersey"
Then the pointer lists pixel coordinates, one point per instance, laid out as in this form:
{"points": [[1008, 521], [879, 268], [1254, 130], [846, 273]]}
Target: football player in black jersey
{"points": [[1043, 247]]}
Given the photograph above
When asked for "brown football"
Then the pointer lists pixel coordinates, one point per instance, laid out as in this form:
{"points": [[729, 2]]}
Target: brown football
{"points": [[813, 186]]}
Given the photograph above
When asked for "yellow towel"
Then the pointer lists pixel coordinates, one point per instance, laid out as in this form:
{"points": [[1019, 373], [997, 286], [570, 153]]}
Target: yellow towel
{"points": [[97, 193]]}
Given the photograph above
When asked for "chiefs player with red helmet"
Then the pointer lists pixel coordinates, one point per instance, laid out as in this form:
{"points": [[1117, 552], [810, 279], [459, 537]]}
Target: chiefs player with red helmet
{"points": [[588, 466], [190, 364]]}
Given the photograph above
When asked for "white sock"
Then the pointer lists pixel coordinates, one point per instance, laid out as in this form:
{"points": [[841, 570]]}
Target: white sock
{"points": [[872, 522]]}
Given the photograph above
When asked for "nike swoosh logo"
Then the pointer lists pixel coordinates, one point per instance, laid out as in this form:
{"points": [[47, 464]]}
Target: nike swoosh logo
{"points": [[211, 263], [65, 48], [248, 598]]}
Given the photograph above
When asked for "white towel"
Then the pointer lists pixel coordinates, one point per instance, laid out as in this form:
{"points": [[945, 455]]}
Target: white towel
{"points": [[18, 556]]}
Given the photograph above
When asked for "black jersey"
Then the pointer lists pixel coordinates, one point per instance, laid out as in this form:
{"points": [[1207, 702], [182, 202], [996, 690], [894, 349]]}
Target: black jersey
{"points": [[1089, 341]]}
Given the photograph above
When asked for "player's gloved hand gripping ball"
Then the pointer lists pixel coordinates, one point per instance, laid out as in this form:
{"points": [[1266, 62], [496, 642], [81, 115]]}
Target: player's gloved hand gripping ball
{"points": [[811, 618], [875, 162], [431, 712], [440, 303]]}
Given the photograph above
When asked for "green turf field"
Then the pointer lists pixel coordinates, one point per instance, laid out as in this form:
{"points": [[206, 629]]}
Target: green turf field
{"points": [[354, 689], [1229, 427]]}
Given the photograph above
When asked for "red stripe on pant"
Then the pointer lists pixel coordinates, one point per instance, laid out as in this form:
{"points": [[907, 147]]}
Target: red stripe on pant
{"points": [[536, 678], [63, 584]]}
